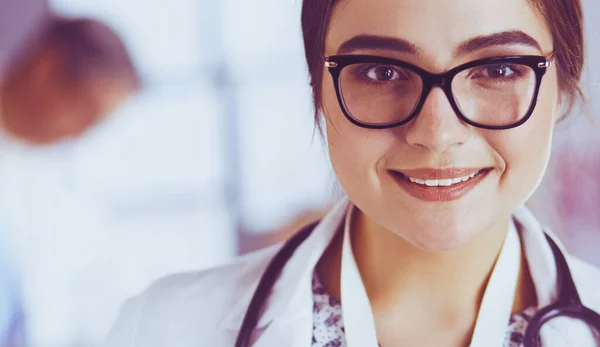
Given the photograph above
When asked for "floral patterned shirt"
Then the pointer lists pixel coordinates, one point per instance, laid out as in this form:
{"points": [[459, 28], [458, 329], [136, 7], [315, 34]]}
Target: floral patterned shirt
{"points": [[328, 326]]}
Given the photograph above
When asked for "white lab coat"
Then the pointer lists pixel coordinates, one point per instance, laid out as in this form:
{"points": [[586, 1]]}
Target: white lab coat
{"points": [[207, 308]]}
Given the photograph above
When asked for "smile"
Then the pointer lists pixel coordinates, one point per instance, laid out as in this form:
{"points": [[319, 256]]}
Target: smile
{"points": [[439, 185], [445, 182]]}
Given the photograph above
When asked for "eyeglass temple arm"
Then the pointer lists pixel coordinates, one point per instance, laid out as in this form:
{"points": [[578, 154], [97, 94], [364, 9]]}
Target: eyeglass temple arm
{"points": [[549, 60]]}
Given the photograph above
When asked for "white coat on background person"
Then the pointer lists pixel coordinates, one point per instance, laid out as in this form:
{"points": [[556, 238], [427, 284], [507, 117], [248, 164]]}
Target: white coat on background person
{"points": [[66, 78]]}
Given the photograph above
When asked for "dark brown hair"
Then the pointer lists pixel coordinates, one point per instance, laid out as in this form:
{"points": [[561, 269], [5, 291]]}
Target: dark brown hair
{"points": [[86, 49], [563, 17]]}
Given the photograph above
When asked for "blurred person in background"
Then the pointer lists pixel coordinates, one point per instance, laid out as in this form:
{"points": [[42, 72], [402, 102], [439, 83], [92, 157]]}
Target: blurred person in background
{"points": [[439, 118], [68, 77], [12, 324]]}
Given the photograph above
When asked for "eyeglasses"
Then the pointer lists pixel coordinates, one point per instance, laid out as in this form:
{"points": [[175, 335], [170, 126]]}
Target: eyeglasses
{"points": [[495, 93]]}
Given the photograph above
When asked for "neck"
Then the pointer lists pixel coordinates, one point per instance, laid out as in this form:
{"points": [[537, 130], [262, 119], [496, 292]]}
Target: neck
{"points": [[400, 277]]}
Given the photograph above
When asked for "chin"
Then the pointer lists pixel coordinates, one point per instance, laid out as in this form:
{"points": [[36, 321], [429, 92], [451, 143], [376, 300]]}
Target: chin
{"points": [[438, 242], [443, 227], [441, 235]]}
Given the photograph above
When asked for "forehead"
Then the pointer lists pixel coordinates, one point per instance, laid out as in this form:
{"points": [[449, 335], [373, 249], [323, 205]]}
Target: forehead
{"points": [[435, 27]]}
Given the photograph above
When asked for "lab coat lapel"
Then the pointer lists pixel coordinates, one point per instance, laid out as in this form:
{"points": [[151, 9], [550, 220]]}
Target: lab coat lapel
{"points": [[542, 265], [496, 306], [359, 322], [295, 331], [539, 255], [287, 316], [542, 268]]}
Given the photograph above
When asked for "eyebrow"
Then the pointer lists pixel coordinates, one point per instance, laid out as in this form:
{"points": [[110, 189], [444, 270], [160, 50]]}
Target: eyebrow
{"points": [[393, 44], [505, 38], [365, 41]]}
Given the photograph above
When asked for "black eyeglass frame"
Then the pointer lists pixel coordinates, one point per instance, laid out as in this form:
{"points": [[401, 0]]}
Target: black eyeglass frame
{"points": [[336, 63]]}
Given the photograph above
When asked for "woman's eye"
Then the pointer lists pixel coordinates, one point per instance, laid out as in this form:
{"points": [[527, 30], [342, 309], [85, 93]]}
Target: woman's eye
{"points": [[383, 73], [497, 71]]}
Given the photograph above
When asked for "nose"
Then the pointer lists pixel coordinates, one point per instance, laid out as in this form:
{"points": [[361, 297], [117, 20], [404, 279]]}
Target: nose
{"points": [[437, 128]]}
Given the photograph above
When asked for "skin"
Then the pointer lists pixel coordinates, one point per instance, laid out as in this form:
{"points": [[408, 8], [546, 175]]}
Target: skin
{"points": [[55, 110], [408, 250]]}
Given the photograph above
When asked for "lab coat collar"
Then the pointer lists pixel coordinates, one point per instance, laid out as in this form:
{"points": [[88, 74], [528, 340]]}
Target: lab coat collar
{"points": [[296, 277], [290, 300], [538, 253], [542, 266]]}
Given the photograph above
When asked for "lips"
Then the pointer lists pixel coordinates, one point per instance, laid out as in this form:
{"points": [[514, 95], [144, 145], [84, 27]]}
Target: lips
{"points": [[439, 184]]}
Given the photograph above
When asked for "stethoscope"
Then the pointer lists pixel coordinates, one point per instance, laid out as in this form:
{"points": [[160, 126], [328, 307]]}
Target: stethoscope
{"points": [[568, 303]]}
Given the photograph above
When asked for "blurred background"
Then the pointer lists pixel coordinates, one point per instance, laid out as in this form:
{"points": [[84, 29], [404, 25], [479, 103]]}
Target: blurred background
{"points": [[196, 144]]}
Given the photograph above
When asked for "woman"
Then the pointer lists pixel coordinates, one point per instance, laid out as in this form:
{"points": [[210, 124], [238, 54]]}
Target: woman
{"points": [[438, 139]]}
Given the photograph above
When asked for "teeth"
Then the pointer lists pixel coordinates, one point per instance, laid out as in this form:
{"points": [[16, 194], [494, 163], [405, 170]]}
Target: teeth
{"points": [[443, 182], [432, 183]]}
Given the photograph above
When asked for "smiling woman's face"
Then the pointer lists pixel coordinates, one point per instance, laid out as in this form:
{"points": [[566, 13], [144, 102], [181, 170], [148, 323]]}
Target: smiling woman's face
{"points": [[372, 165]]}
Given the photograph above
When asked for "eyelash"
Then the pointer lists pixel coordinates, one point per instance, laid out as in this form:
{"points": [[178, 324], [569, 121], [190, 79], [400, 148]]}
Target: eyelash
{"points": [[517, 72], [363, 71]]}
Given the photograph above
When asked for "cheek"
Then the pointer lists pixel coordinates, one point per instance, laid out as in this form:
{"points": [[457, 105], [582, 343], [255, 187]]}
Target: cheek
{"points": [[525, 150], [354, 151]]}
